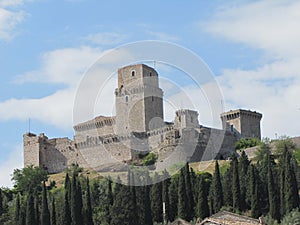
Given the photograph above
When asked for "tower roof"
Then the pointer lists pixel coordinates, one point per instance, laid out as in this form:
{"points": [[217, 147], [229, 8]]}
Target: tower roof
{"points": [[239, 112]]}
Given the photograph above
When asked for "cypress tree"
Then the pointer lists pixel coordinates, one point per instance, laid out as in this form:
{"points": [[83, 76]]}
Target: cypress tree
{"points": [[227, 181], [282, 188], [53, 213], [143, 205], [30, 214], [189, 193], [23, 208], [1, 206], [73, 205], [156, 201], [88, 208], [95, 193], [79, 200], [173, 198], [243, 170], [117, 187], [109, 192], [147, 206], [262, 165], [236, 202], [217, 191], [131, 183], [273, 199], [202, 206], [122, 211], [133, 195], [140, 201], [76, 201], [253, 186], [291, 189], [37, 208], [66, 218], [182, 198], [17, 210], [45, 209], [165, 194], [67, 186], [108, 201], [143, 199]]}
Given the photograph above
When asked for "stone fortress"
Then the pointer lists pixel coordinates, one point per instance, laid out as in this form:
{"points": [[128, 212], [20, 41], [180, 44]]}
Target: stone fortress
{"points": [[139, 128]]}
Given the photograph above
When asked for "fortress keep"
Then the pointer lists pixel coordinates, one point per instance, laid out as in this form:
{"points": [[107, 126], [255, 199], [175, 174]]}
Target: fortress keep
{"points": [[139, 128]]}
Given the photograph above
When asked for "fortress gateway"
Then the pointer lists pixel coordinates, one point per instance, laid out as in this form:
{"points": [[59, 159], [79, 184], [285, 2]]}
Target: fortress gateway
{"points": [[139, 128]]}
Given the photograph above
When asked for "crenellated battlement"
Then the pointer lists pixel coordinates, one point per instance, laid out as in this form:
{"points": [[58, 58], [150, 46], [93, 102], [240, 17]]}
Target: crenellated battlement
{"points": [[98, 122], [245, 123], [137, 128]]}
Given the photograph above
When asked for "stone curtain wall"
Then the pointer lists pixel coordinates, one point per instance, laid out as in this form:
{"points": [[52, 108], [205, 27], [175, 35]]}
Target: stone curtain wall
{"points": [[53, 154], [138, 128], [101, 151]]}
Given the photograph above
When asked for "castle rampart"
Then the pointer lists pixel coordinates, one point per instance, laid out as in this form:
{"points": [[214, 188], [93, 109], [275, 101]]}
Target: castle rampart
{"points": [[138, 128], [245, 123]]}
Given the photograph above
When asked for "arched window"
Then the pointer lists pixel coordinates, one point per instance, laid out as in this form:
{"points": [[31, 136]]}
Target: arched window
{"points": [[133, 73]]}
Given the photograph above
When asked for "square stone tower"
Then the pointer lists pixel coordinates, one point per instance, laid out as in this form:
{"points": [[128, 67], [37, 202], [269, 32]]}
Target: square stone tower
{"points": [[186, 118], [139, 100], [245, 123]]}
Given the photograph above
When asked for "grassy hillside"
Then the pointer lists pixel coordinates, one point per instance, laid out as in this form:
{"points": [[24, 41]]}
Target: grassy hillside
{"points": [[209, 166], [205, 166]]}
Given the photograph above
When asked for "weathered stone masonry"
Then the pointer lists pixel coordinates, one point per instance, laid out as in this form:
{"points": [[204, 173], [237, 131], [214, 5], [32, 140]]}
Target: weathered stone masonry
{"points": [[138, 128]]}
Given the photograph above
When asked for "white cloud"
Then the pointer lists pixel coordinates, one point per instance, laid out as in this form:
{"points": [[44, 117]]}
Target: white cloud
{"points": [[269, 25], [10, 17], [75, 1], [272, 88], [55, 109], [14, 161], [158, 35], [263, 90], [6, 3], [162, 36], [106, 38], [64, 66], [8, 22]]}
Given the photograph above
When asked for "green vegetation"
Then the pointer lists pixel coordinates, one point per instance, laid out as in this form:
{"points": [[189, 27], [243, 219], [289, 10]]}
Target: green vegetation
{"points": [[296, 155], [29, 179], [149, 159], [267, 188], [216, 194], [292, 217], [246, 143]]}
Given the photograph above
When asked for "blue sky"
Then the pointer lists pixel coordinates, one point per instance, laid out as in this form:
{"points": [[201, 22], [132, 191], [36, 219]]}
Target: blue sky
{"points": [[252, 47]]}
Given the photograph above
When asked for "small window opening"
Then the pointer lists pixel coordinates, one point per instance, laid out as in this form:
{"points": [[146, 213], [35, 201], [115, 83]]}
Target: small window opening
{"points": [[126, 98], [231, 128], [150, 74], [133, 73]]}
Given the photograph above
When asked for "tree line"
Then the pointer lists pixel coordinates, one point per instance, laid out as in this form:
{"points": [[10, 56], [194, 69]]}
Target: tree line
{"points": [[267, 187]]}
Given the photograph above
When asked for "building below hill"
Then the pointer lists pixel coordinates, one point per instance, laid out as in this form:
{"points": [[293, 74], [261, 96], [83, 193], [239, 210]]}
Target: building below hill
{"points": [[139, 128], [228, 218]]}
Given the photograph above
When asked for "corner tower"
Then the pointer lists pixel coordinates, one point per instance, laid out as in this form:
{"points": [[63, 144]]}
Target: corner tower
{"points": [[245, 123], [139, 100]]}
